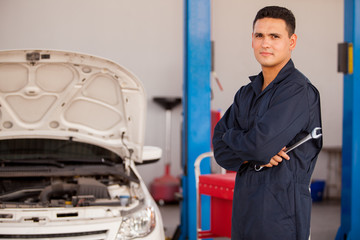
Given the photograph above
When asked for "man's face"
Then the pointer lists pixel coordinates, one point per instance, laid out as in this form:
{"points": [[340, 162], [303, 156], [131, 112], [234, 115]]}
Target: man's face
{"points": [[271, 43]]}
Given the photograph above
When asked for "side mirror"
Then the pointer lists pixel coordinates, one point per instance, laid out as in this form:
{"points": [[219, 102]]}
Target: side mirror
{"points": [[151, 154]]}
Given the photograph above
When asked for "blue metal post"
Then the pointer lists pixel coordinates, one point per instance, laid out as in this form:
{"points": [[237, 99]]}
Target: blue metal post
{"points": [[350, 196], [197, 121]]}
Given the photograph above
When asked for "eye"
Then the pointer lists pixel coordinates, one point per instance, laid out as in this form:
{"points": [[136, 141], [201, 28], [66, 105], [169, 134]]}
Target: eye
{"points": [[258, 35], [275, 36]]}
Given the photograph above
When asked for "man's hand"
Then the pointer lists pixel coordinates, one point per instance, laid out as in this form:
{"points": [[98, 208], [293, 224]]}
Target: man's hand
{"points": [[278, 158]]}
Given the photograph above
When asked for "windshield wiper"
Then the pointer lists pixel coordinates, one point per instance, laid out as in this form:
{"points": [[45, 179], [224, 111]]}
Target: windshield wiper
{"points": [[101, 160], [34, 161], [56, 161]]}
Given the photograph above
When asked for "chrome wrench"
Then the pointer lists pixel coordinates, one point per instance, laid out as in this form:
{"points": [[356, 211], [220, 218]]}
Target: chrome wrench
{"points": [[315, 134]]}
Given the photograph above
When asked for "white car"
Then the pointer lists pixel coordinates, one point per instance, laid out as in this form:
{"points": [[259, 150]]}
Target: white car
{"points": [[71, 132]]}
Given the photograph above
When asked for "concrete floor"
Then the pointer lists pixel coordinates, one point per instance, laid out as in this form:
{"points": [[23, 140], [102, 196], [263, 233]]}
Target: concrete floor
{"points": [[325, 219]]}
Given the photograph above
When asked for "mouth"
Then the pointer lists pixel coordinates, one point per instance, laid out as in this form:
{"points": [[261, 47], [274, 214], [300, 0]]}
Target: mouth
{"points": [[265, 54]]}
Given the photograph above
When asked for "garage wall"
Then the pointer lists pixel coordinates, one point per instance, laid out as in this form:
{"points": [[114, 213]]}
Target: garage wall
{"points": [[147, 38], [144, 36]]}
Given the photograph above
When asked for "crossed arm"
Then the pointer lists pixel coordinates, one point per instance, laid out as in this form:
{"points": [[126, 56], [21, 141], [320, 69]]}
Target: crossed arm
{"points": [[234, 146]]}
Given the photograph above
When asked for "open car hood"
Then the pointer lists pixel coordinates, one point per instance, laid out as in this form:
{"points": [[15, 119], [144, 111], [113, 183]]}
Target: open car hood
{"points": [[66, 95]]}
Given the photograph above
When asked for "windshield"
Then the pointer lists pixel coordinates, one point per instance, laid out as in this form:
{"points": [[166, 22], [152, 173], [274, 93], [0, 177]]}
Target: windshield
{"points": [[52, 149]]}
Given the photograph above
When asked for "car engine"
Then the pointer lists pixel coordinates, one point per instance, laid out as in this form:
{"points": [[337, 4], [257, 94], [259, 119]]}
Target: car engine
{"points": [[69, 192]]}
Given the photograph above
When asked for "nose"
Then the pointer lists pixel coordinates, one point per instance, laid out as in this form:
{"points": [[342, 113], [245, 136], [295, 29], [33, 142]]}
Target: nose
{"points": [[265, 42]]}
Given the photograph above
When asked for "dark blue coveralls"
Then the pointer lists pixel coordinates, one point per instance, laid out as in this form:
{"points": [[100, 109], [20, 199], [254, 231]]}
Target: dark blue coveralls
{"points": [[274, 203]]}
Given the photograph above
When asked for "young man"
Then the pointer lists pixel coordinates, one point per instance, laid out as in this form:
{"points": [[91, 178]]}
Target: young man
{"points": [[276, 109]]}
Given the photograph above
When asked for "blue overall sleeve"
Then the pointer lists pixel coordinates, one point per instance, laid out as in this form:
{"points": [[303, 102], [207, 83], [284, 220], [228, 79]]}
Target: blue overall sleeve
{"points": [[285, 115]]}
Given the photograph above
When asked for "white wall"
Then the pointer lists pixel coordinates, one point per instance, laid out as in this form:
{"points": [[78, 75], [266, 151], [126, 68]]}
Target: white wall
{"points": [[144, 36], [147, 38]]}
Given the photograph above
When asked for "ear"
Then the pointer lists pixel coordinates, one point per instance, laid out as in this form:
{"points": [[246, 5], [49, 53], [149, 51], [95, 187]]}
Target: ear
{"points": [[293, 40]]}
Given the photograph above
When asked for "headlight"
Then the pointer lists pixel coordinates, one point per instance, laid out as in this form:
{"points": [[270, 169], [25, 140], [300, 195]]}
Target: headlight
{"points": [[138, 224]]}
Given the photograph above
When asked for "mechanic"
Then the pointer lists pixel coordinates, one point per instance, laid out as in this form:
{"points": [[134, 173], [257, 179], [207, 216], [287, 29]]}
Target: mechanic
{"points": [[276, 109]]}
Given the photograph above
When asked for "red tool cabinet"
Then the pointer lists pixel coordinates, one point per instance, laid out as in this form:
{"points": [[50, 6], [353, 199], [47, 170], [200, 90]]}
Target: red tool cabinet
{"points": [[220, 187]]}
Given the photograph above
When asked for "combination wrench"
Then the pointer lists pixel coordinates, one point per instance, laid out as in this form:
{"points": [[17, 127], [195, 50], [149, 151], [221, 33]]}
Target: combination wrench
{"points": [[315, 134]]}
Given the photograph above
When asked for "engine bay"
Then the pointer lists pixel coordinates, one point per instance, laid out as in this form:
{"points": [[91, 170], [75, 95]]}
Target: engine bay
{"points": [[67, 192]]}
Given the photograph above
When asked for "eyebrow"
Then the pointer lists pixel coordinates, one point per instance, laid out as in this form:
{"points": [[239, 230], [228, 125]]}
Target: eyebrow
{"points": [[275, 34], [270, 34]]}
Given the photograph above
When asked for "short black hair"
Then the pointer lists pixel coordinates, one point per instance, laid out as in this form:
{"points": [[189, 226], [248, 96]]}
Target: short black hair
{"points": [[280, 13]]}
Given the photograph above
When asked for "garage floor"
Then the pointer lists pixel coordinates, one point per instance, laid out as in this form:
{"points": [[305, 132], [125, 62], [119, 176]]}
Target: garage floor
{"points": [[325, 219]]}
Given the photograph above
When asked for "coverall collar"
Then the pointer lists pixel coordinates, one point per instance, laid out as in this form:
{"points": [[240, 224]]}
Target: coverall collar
{"points": [[257, 80]]}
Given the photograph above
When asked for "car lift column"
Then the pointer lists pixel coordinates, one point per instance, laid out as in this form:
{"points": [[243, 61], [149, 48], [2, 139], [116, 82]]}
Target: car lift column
{"points": [[350, 196], [196, 104]]}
